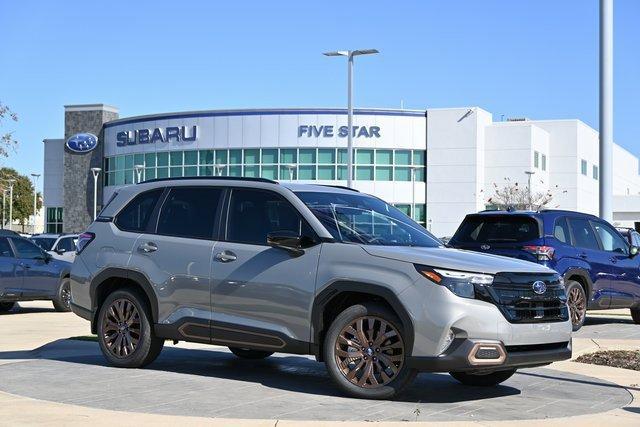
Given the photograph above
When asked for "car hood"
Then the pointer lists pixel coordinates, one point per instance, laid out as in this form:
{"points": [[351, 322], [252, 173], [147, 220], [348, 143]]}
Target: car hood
{"points": [[456, 259]]}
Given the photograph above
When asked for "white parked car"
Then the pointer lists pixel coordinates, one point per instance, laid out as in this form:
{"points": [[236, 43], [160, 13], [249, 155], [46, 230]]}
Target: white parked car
{"points": [[60, 246]]}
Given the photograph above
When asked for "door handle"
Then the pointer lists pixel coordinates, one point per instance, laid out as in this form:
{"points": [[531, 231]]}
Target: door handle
{"points": [[148, 247], [583, 255], [25, 266], [613, 260], [226, 256]]}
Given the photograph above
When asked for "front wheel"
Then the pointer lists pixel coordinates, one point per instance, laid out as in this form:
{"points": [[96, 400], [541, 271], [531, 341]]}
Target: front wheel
{"points": [[577, 301], [124, 330], [6, 306], [62, 302], [483, 380], [246, 353], [365, 353]]}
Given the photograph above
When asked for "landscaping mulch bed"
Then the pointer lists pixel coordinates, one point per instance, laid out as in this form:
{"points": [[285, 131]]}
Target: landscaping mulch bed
{"points": [[627, 359]]}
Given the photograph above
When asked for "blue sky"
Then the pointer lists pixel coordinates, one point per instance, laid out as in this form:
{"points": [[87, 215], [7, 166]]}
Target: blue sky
{"points": [[533, 58]]}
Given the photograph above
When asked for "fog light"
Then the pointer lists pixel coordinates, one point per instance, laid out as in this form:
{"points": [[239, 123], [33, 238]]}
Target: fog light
{"points": [[446, 342]]}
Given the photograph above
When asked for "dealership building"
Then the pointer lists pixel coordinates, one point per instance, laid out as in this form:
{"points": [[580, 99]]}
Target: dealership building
{"points": [[436, 165]]}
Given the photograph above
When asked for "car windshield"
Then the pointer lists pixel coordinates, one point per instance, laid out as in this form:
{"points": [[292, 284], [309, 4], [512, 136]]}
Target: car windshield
{"points": [[45, 243], [362, 219]]}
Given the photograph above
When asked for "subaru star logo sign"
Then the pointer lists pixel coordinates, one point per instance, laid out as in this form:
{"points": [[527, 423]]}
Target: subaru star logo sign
{"points": [[539, 287], [82, 142], [485, 247]]}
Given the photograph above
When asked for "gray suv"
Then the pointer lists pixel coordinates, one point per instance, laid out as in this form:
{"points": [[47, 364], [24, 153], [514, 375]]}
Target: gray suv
{"points": [[263, 267]]}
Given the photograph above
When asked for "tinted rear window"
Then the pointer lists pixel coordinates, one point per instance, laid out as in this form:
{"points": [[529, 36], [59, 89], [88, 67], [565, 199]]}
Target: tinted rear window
{"points": [[497, 229]]}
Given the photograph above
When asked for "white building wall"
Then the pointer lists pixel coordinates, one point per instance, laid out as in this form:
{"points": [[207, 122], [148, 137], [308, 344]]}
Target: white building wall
{"points": [[626, 181], [455, 166]]}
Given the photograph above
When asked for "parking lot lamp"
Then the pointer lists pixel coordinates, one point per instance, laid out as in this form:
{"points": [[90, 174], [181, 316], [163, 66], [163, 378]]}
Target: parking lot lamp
{"points": [[35, 199], [350, 54], [11, 181], [4, 196], [291, 168], [529, 175], [219, 168], [96, 173], [139, 169]]}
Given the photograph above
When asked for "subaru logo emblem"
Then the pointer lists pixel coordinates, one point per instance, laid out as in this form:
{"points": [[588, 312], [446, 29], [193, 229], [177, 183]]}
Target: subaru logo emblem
{"points": [[539, 287], [82, 142], [485, 247]]}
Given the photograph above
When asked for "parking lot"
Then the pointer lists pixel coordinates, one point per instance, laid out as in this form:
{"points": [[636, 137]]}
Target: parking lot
{"points": [[38, 362]]}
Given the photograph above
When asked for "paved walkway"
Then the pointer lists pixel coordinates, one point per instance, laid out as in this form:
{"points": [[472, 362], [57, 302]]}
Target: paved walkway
{"points": [[68, 382]]}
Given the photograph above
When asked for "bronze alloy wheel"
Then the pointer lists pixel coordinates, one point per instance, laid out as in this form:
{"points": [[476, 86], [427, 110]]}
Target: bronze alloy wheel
{"points": [[369, 352], [121, 328], [577, 305]]}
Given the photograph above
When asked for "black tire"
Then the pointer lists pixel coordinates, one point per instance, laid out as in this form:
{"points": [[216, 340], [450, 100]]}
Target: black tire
{"points": [[635, 315], [577, 300], [246, 353], [483, 380], [147, 347], [6, 306], [396, 380], [62, 303]]}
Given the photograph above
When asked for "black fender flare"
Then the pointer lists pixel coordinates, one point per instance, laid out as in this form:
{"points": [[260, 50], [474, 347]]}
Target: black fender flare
{"points": [[584, 275], [123, 273], [342, 286]]}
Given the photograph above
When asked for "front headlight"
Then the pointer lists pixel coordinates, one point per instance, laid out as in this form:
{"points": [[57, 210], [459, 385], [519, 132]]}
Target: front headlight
{"points": [[461, 283]]}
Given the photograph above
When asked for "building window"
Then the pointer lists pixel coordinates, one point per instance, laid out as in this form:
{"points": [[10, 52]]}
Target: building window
{"points": [[583, 167], [544, 162], [595, 172], [53, 221], [307, 164], [536, 159], [419, 215]]}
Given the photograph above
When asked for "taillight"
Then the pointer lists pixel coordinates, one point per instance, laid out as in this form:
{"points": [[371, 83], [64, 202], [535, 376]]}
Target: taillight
{"points": [[83, 240], [542, 253]]}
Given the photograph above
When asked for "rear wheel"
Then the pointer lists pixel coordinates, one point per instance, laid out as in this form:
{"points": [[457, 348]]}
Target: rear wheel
{"points": [[6, 306], [124, 330], [483, 380], [62, 302], [365, 353], [246, 353], [577, 300], [635, 315]]}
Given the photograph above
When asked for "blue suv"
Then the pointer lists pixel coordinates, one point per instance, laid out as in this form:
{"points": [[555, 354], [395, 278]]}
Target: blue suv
{"points": [[599, 266]]}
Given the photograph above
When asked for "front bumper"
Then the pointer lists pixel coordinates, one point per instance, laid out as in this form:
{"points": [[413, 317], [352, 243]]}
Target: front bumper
{"points": [[463, 354]]}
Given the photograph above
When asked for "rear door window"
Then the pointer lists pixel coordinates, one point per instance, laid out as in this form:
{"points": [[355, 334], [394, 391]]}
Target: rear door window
{"points": [[135, 216], [561, 231], [497, 229], [190, 212], [27, 249], [583, 234]]}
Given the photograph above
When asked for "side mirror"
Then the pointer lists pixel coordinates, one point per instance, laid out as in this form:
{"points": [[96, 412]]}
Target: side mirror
{"points": [[46, 257], [60, 251], [288, 241], [633, 251]]}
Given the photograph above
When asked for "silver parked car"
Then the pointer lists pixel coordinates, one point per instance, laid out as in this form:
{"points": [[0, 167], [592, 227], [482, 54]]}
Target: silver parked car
{"points": [[59, 246], [263, 267]]}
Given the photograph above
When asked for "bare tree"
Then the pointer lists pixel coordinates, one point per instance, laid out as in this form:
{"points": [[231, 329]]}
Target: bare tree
{"points": [[513, 195], [7, 142]]}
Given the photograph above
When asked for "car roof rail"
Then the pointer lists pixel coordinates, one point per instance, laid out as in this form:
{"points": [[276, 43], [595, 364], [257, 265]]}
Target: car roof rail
{"points": [[342, 187], [211, 178]]}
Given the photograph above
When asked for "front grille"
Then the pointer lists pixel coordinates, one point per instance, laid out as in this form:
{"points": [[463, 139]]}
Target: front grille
{"points": [[536, 347], [513, 294]]}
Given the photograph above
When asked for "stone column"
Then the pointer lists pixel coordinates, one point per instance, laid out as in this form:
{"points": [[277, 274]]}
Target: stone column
{"points": [[77, 176]]}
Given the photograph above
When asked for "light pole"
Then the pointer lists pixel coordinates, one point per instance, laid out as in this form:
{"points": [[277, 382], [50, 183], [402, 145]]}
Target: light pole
{"points": [[219, 168], [350, 54], [413, 192], [95, 172], [529, 175], [138, 169], [11, 181], [290, 167], [606, 109], [35, 199], [4, 195]]}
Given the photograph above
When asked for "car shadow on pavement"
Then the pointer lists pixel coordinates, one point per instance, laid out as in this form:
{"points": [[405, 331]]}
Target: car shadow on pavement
{"points": [[601, 320], [284, 372], [577, 380], [27, 310]]}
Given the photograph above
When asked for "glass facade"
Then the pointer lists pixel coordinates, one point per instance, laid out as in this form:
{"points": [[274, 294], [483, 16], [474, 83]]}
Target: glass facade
{"points": [[308, 164], [53, 221]]}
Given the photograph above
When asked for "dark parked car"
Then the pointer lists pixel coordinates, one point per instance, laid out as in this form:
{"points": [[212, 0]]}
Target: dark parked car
{"points": [[632, 236], [599, 266], [29, 273]]}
